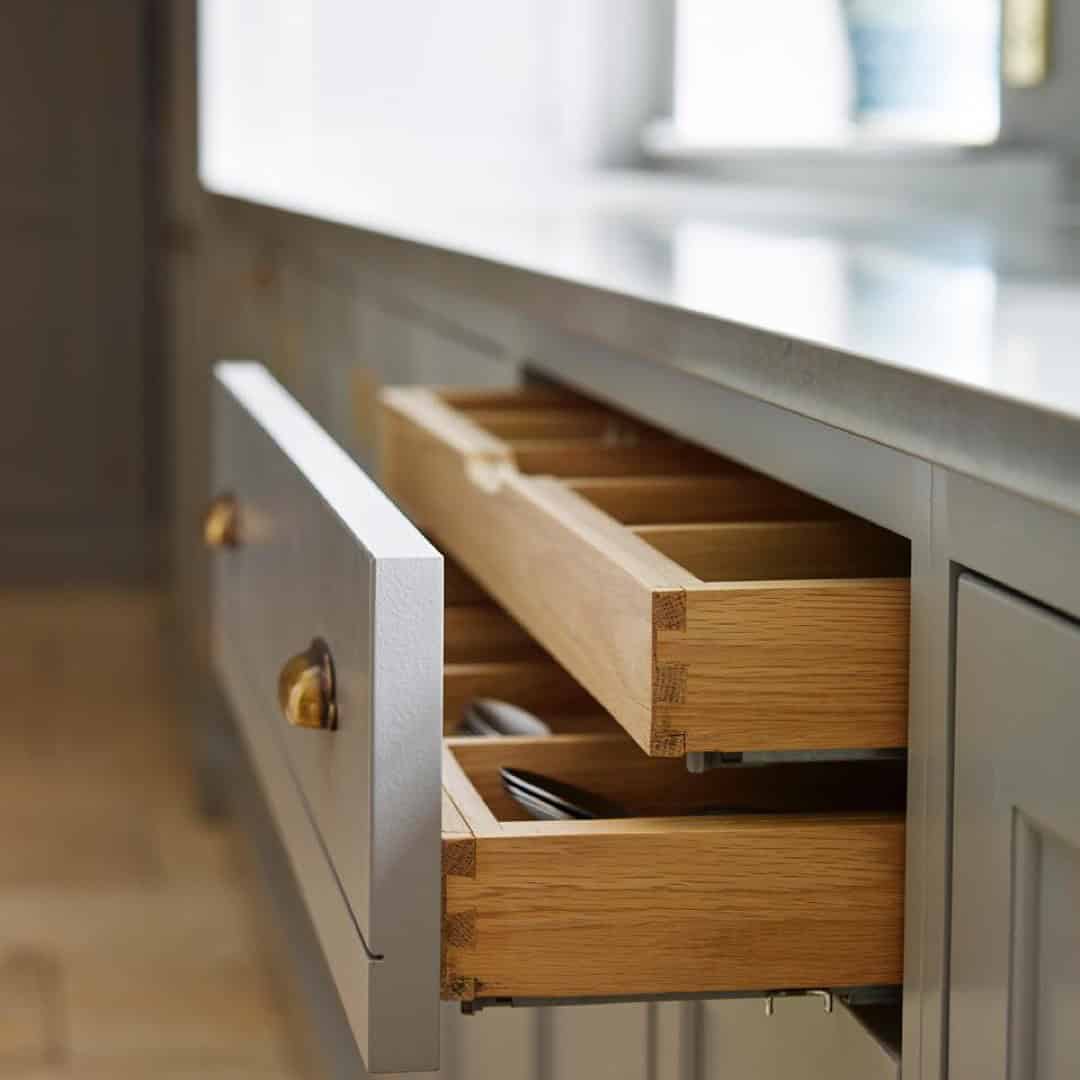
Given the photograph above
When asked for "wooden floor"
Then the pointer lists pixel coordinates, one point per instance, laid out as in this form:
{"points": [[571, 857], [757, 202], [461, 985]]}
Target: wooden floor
{"points": [[130, 941]]}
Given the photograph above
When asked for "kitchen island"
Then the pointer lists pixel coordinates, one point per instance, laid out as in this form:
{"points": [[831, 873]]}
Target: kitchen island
{"points": [[912, 366]]}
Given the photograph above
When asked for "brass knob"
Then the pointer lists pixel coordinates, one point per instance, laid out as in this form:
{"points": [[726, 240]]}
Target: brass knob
{"points": [[306, 688], [221, 523]]}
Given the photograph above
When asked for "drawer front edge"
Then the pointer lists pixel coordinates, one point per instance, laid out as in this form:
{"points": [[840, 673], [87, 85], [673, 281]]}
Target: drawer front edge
{"points": [[322, 553]]}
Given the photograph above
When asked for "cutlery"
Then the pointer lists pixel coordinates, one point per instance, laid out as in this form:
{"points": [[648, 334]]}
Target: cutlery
{"points": [[552, 800], [487, 716]]}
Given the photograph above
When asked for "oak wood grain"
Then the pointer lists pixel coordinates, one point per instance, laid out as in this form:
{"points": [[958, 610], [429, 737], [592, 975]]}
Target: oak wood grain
{"points": [[467, 399], [470, 806], [592, 457], [786, 665], [513, 533], [669, 905], [727, 905], [763, 550], [733, 495], [613, 766], [453, 823], [528, 422]]}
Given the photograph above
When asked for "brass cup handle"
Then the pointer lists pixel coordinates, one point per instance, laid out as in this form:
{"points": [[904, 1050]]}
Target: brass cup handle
{"points": [[221, 523], [306, 688]]}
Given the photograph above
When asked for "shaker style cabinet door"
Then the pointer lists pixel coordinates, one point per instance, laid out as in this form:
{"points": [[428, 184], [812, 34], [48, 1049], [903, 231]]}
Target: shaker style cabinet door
{"points": [[327, 629], [1015, 979]]}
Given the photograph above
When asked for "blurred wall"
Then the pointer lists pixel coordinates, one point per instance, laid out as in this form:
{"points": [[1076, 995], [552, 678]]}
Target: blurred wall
{"points": [[184, 257], [511, 85], [79, 419]]}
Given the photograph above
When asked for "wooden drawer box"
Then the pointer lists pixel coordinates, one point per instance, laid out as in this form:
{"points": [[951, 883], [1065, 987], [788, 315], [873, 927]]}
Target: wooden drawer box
{"points": [[800, 885], [797, 883], [705, 606]]}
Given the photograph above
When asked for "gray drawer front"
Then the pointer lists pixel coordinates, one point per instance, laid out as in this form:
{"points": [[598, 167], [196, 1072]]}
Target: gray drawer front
{"points": [[323, 553]]}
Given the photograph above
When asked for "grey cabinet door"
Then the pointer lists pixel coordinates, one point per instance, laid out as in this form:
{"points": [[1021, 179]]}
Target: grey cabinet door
{"points": [[1015, 976]]}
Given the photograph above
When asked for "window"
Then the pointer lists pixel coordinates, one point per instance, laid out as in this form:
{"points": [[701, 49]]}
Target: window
{"points": [[782, 73]]}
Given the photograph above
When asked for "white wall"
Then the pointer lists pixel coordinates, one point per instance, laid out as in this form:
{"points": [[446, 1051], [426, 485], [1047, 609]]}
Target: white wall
{"points": [[428, 83]]}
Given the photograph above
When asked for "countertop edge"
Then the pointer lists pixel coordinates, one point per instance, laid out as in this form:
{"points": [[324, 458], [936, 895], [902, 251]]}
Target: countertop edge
{"points": [[1014, 445]]}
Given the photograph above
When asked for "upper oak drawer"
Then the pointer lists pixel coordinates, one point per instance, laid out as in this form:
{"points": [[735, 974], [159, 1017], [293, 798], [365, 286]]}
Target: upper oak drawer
{"points": [[708, 607]]}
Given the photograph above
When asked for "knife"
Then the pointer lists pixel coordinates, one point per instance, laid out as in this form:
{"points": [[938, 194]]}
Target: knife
{"points": [[553, 800]]}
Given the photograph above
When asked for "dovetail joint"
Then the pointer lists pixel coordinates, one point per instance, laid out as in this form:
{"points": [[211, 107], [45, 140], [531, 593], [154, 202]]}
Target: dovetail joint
{"points": [[458, 987], [669, 683], [459, 858], [669, 609], [667, 743], [459, 929]]}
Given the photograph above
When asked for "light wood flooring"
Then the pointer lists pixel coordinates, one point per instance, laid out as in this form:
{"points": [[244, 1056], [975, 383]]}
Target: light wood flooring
{"points": [[130, 940]]}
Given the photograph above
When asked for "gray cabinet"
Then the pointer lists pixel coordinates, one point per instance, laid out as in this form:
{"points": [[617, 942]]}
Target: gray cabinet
{"points": [[800, 1042], [495, 1044], [1015, 973], [597, 1042]]}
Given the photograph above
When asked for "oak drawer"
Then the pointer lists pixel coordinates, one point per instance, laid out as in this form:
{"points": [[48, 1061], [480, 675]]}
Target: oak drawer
{"points": [[800, 885], [707, 607]]}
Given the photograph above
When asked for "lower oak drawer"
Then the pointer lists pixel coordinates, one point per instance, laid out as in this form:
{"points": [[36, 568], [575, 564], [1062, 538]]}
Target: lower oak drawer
{"points": [[798, 884]]}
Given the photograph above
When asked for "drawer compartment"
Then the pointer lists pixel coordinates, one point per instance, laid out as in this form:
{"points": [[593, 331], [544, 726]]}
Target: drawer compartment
{"points": [[705, 606], [487, 655], [800, 885]]}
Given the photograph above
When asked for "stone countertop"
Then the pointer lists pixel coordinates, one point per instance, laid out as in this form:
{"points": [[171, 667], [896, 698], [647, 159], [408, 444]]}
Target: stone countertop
{"points": [[951, 334]]}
